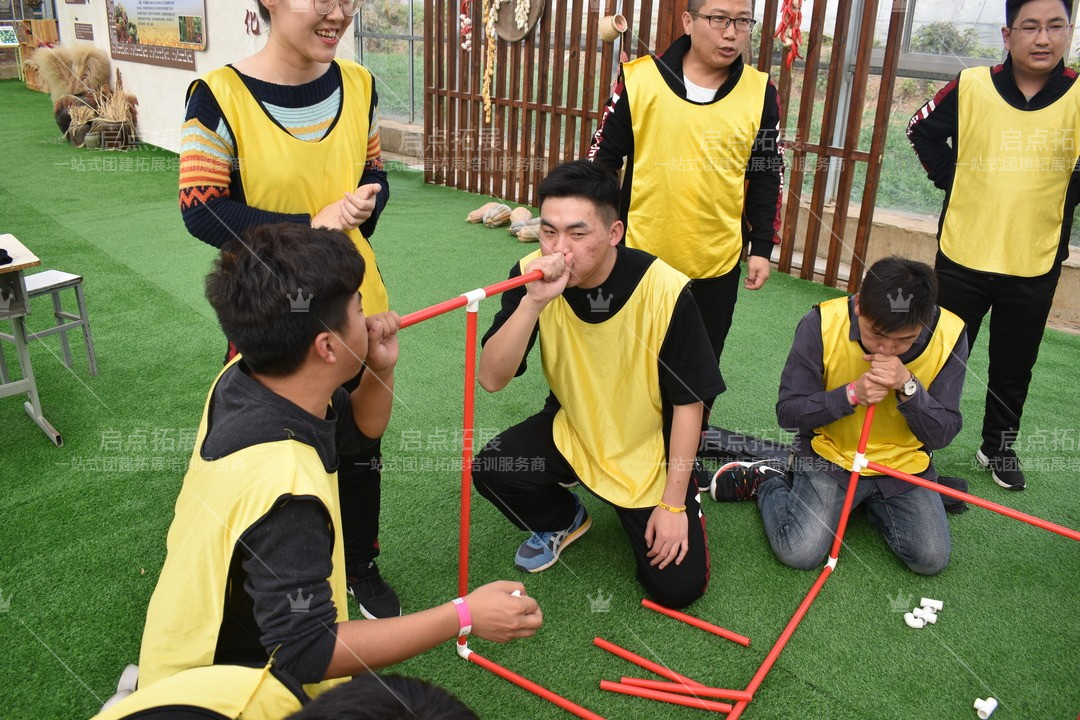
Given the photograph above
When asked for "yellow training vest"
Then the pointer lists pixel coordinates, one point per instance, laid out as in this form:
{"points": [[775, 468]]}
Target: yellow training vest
{"points": [[686, 200], [1013, 168], [218, 502], [891, 441], [230, 691], [607, 378], [283, 174]]}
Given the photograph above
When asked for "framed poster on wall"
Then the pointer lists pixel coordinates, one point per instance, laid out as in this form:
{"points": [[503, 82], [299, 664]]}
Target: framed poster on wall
{"points": [[157, 32]]}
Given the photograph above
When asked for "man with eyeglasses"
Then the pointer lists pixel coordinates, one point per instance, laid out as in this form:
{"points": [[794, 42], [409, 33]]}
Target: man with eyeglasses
{"points": [[698, 129], [1002, 143]]}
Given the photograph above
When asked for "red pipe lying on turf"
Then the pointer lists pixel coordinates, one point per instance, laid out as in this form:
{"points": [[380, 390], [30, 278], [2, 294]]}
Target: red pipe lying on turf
{"points": [[974, 500], [680, 689], [664, 697], [642, 662], [690, 620], [532, 687]]}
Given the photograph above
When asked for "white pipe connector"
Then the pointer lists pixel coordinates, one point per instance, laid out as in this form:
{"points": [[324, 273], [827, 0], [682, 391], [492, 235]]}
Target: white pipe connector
{"points": [[831, 564], [914, 622], [930, 603], [473, 297], [463, 650], [985, 708], [858, 464], [926, 614]]}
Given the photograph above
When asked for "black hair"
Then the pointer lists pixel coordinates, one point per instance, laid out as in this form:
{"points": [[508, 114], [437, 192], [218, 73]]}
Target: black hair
{"points": [[263, 12], [696, 5], [585, 180], [898, 294], [385, 697], [258, 282], [1012, 9]]}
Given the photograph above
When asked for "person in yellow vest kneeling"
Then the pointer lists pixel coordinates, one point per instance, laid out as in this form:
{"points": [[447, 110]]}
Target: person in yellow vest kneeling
{"points": [[255, 564], [627, 359], [890, 346]]}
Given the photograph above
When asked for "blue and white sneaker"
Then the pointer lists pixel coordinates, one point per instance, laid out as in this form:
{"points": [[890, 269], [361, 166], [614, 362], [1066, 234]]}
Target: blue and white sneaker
{"points": [[542, 550]]}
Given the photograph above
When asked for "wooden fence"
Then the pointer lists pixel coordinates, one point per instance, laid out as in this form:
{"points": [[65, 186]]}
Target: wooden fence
{"points": [[548, 91]]}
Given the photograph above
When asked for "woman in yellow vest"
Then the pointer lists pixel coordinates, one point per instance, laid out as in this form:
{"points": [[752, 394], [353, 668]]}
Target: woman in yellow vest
{"points": [[889, 346], [291, 134]]}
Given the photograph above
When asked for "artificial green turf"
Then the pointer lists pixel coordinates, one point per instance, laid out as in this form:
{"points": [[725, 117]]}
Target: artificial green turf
{"points": [[81, 544]]}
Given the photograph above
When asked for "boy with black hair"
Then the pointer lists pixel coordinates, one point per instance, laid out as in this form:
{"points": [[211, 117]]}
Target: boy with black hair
{"points": [[1002, 143], [627, 359], [888, 346], [385, 697], [255, 565]]}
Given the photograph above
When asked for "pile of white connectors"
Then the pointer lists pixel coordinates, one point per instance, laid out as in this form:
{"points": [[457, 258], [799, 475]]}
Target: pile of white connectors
{"points": [[925, 613]]}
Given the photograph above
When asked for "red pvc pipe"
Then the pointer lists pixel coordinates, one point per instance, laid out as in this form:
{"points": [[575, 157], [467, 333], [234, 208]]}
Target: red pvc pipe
{"points": [[974, 500], [532, 687], [690, 620], [642, 662], [739, 707], [778, 647], [853, 484], [461, 301], [664, 697], [466, 455], [680, 689]]}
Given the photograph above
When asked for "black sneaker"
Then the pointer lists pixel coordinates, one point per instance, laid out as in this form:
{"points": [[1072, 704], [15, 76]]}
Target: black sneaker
{"points": [[739, 480], [374, 595], [1004, 467], [953, 505]]}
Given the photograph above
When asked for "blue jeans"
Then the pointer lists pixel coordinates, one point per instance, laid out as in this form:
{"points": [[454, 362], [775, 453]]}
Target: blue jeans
{"points": [[801, 520]]}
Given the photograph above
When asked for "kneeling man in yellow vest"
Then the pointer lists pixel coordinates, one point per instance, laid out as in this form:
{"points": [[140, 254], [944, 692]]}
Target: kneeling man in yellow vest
{"points": [[254, 566], [627, 359], [889, 346]]}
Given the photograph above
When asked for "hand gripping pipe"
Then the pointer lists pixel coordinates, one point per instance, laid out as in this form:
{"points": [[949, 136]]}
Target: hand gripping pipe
{"points": [[690, 620], [471, 300], [834, 554]]}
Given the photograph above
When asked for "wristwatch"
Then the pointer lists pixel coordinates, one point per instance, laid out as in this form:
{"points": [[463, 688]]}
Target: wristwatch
{"points": [[909, 387]]}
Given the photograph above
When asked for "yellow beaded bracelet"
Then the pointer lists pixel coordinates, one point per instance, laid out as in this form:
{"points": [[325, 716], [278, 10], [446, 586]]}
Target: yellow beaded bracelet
{"points": [[667, 507]]}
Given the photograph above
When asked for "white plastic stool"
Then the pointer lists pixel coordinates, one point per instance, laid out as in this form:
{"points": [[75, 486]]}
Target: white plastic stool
{"points": [[52, 282]]}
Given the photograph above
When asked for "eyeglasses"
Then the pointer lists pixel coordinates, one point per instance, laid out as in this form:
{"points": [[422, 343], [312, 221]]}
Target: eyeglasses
{"points": [[349, 7], [721, 22], [1054, 30]]}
